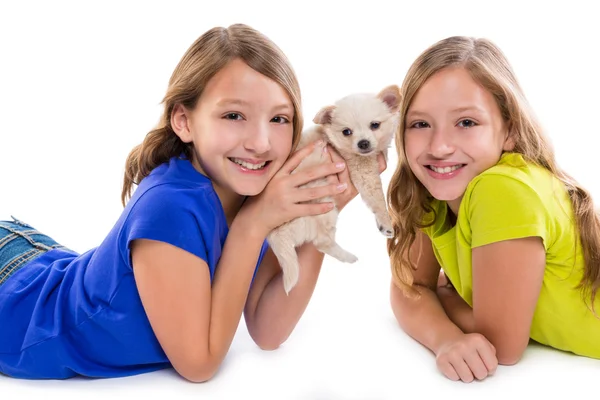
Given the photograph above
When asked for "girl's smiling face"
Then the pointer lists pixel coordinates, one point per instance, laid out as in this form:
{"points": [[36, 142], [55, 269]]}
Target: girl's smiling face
{"points": [[241, 129], [453, 131]]}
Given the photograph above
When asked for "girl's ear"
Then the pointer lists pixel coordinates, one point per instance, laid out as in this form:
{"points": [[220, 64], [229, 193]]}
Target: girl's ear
{"points": [[180, 123], [509, 143], [511, 139]]}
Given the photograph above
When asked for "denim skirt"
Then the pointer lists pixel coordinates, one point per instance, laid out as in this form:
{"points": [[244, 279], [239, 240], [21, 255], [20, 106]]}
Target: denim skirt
{"points": [[19, 244]]}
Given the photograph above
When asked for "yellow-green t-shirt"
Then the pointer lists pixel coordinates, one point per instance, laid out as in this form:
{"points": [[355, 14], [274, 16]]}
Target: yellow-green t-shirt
{"points": [[510, 200]]}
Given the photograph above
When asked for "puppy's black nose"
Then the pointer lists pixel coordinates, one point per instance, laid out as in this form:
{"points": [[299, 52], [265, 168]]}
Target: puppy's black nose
{"points": [[364, 144]]}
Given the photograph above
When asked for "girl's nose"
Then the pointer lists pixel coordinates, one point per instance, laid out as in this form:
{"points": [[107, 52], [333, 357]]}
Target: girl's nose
{"points": [[441, 144], [257, 140]]}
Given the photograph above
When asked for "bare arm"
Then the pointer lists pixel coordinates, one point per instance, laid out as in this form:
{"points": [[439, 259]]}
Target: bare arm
{"points": [[507, 279], [424, 319], [194, 324], [271, 315], [455, 307], [459, 355]]}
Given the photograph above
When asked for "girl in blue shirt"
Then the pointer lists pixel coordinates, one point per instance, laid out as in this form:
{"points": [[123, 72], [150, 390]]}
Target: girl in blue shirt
{"points": [[168, 285]]}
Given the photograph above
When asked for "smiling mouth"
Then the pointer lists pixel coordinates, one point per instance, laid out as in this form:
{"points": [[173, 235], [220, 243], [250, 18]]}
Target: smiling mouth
{"points": [[249, 165], [445, 170]]}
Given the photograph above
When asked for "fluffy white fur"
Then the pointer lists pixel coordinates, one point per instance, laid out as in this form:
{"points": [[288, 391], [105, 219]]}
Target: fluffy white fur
{"points": [[358, 126]]}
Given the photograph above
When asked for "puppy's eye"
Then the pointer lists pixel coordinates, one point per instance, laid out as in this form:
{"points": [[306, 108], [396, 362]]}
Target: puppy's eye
{"points": [[347, 132], [375, 125]]}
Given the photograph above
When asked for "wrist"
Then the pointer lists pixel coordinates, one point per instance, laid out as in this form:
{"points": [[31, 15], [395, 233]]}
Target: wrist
{"points": [[250, 226], [446, 338]]}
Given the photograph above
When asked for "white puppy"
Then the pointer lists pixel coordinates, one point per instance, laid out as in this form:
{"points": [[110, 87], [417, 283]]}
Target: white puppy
{"points": [[358, 126]]}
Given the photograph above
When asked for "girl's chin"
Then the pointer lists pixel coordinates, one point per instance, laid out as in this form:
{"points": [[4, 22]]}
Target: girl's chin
{"points": [[446, 195], [249, 190]]}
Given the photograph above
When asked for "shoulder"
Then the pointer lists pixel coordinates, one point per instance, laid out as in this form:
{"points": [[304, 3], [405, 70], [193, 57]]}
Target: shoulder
{"points": [[174, 209], [174, 206], [175, 187], [513, 179], [510, 200]]}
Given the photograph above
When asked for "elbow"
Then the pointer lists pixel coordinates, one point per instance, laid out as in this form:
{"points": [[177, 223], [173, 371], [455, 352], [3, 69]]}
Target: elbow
{"points": [[268, 345], [196, 369], [510, 353], [267, 341], [200, 377], [509, 356], [267, 336]]}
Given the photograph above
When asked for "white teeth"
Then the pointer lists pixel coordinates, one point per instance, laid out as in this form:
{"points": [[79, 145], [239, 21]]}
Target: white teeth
{"points": [[247, 164], [445, 170]]}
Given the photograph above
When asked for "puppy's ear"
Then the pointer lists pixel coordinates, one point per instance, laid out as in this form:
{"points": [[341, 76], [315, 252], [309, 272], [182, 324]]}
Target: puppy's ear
{"points": [[391, 96], [323, 117]]}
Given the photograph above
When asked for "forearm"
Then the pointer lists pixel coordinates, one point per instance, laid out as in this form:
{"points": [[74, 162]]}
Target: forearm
{"points": [[424, 319], [459, 312], [230, 286], [277, 313]]}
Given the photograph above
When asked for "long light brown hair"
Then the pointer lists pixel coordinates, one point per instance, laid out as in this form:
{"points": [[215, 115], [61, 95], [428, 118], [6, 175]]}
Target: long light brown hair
{"points": [[408, 199], [203, 59]]}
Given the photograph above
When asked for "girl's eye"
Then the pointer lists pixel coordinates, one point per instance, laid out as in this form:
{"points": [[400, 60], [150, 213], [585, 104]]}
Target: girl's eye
{"points": [[280, 120], [420, 125], [233, 116], [466, 123]]}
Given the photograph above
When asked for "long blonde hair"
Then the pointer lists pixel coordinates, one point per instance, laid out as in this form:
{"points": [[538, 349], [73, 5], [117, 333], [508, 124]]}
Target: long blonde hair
{"points": [[408, 199], [203, 59]]}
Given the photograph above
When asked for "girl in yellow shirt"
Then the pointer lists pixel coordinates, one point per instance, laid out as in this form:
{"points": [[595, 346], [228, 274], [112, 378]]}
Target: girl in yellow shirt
{"points": [[478, 194]]}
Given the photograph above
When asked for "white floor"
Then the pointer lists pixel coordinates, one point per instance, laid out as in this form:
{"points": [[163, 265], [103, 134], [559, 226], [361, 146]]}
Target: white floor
{"points": [[81, 83], [346, 347]]}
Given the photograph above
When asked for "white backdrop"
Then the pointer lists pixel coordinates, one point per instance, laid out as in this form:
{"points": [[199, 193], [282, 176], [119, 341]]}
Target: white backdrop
{"points": [[80, 85]]}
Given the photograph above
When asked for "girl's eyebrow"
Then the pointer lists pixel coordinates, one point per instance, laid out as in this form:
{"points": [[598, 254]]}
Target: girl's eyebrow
{"points": [[459, 110], [468, 109], [240, 102], [416, 113], [284, 106]]}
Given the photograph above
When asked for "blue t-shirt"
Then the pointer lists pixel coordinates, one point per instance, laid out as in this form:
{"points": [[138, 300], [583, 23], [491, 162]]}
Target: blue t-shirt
{"points": [[66, 314]]}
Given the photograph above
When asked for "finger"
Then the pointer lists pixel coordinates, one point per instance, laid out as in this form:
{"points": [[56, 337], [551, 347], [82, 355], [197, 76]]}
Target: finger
{"points": [[316, 172], [382, 162], [344, 175], [462, 369], [449, 372], [333, 157], [333, 179], [318, 192], [488, 357], [296, 158], [331, 152], [312, 209], [476, 365]]}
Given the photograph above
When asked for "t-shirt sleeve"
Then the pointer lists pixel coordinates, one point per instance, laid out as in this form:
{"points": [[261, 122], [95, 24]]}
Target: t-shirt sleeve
{"points": [[502, 208], [170, 216]]}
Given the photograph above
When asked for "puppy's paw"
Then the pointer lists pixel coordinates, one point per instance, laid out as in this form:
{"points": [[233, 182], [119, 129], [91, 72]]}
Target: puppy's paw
{"points": [[385, 227], [349, 258], [290, 279]]}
